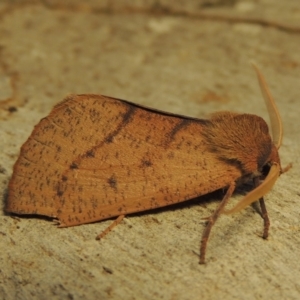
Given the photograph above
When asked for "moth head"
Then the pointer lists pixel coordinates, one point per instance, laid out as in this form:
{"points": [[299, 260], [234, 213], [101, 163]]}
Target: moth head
{"points": [[273, 160], [240, 139]]}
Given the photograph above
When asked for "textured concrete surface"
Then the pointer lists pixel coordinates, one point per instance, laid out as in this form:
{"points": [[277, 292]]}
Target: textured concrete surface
{"points": [[191, 59]]}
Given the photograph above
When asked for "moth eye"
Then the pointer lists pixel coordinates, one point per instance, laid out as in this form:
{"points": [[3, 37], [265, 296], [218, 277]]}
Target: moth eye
{"points": [[265, 170]]}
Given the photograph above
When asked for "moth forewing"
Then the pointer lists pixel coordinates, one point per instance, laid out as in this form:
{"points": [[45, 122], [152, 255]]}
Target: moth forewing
{"points": [[169, 162]]}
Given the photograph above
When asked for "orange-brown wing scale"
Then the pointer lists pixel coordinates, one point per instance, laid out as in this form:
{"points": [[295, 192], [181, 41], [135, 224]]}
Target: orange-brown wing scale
{"points": [[96, 157]]}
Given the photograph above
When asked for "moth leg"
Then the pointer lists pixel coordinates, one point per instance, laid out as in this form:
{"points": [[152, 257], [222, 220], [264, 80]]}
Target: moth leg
{"points": [[211, 221], [264, 212], [110, 227]]}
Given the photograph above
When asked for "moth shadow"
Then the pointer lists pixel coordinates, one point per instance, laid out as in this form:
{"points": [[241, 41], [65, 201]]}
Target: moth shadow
{"points": [[204, 201]]}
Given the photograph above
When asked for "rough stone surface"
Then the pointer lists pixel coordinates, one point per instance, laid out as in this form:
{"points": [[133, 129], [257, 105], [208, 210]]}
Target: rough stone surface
{"points": [[191, 59]]}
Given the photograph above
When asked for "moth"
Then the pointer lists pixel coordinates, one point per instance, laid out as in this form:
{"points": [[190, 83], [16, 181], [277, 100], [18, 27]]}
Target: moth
{"points": [[96, 157]]}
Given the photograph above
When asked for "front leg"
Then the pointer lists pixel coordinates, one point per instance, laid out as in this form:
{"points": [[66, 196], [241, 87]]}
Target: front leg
{"points": [[264, 212], [211, 221]]}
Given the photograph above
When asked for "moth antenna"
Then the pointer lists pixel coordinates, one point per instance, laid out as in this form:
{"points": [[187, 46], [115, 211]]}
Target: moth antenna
{"points": [[258, 192], [276, 122]]}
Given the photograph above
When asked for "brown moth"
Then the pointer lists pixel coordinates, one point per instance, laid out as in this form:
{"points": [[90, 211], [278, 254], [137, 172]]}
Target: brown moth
{"points": [[96, 157]]}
